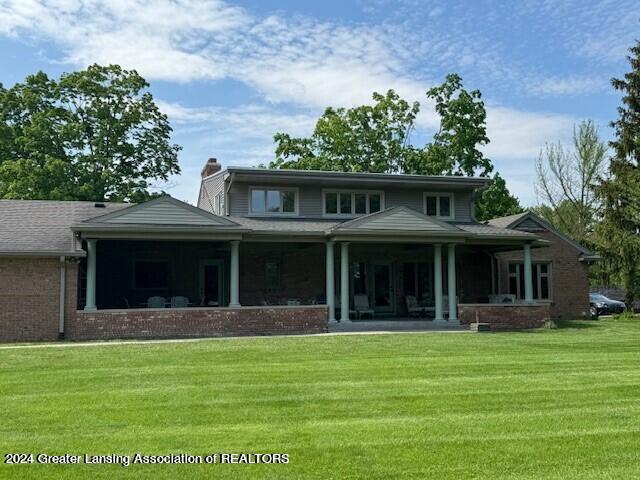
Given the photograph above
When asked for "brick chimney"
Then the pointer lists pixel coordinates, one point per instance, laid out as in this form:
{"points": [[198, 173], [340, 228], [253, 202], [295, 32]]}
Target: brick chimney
{"points": [[212, 166]]}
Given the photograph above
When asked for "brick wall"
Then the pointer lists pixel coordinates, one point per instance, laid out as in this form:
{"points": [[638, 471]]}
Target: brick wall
{"points": [[302, 272], [569, 276], [197, 322], [30, 298], [505, 317]]}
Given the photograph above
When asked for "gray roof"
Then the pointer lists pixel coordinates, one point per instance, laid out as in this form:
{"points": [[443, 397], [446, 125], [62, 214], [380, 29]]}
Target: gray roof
{"points": [[484, 230], [386, 178], [287, 225], [512, 221], [508, 221], [42, 227]]}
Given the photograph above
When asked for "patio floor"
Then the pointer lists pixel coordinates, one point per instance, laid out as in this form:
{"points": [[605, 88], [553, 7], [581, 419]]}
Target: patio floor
{"points": [[396, 325]]}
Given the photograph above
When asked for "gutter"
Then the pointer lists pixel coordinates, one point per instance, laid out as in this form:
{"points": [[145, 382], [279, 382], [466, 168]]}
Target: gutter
{"points": [[63, 296], [78, 254]]}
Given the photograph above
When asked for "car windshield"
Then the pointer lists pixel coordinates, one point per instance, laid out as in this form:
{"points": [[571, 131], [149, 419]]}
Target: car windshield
{"points": [[598, 297]]}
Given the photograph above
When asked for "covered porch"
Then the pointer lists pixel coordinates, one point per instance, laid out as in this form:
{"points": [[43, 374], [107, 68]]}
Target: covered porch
{"points": [[394, 264]]}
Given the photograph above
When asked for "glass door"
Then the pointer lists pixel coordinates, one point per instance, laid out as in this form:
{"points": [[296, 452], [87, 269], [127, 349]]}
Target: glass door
{"points": [[382, 287], [211, 283]]}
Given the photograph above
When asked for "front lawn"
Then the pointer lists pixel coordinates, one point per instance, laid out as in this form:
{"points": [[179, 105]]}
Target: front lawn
{"points": [[559, 403]]}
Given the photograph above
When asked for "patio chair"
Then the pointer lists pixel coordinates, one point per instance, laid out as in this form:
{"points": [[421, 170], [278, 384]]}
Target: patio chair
{"points": [[502, 298], [156, 302], [361, 306], [179, 302], [413, 309]]}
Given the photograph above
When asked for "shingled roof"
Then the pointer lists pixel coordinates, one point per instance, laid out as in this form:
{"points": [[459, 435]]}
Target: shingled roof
{"points": [[42, 227]]}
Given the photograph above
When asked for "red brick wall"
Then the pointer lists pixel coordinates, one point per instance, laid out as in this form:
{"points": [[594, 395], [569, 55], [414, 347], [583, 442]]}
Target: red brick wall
{"points": [[569, 276], [30, 298], [302, 272], [197, 322], [505, 317]]}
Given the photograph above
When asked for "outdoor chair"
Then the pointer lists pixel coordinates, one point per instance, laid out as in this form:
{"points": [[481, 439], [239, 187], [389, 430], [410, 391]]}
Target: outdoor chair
{"points": [[413, 309], [179, 302], [502, 298], [361, 306], [156, 302]]}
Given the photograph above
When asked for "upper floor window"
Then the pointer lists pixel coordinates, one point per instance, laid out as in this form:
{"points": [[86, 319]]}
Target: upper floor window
{"points": [[349, 203], [439, 205], [273, 201]]}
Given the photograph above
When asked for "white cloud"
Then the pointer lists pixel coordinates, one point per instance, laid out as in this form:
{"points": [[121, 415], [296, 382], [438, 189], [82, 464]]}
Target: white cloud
{"points": [[568, 85], [298, 64], [520, 135]]}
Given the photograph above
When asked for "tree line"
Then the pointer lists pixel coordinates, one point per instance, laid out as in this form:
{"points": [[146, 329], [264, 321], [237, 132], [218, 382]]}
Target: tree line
{"points": [[98, 135]]}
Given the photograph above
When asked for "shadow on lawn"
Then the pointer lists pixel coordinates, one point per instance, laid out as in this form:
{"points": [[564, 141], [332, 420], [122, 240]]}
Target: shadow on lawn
{"points": [[575, 324]]}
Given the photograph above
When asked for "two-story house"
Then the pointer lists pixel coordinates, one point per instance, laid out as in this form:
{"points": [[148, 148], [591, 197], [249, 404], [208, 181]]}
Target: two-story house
{"points": [[277, 251]]}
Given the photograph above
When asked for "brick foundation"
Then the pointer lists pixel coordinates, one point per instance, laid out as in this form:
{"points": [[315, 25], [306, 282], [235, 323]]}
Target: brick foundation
{"points": [[505, 317], [197, 322]]}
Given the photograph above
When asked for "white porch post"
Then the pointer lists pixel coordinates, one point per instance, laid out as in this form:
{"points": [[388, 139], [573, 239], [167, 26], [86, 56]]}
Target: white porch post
{"points": [[437, 279], [330, 290], [528, 285], [90, 301], [451, 278], [234, 287], [344, 282]]}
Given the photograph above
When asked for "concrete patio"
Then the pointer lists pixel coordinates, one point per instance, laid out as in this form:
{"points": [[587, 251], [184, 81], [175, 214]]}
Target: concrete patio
{"points": [[397, 325]]}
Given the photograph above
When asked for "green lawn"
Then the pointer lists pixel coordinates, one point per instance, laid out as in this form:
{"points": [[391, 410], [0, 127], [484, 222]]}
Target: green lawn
{"points": [[559, 403]]}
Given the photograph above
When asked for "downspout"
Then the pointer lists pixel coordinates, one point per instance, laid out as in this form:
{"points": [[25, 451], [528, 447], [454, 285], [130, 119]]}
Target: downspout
{"points": [[63, 284]]}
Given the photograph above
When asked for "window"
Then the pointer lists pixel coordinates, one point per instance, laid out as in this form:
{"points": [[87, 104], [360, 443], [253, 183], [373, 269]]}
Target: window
{"points": [[438, 205], [352, 203], [541, 280], [151, 275], [217, 206], [273, 201], [272, 275]]}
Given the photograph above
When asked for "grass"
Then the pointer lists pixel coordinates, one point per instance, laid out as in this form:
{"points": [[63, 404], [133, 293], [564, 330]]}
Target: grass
{"points": [[561, 403]]}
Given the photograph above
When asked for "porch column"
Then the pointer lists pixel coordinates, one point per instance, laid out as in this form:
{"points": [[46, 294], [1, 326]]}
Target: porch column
{"points": [[437, 279], [344, 282], [90, 301], [234, 287], [451, 278], [528, 285], [330, 290]]}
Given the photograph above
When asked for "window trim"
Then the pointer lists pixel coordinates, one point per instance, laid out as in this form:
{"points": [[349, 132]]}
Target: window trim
{"points": [[452, 204], [265, 188], [535, 267], [353, 193]]}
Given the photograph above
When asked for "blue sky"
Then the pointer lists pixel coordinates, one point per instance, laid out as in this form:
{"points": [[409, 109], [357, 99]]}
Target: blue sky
{"points": [[231, 74]]}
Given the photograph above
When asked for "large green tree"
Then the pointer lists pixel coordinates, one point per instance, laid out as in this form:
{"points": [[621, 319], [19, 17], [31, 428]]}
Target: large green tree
{"points": [[618, 234], [95, 134], [377, 138], [368, 138]]}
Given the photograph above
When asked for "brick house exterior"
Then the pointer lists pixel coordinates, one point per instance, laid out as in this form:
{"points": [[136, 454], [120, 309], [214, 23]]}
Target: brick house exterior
{"points": [[569, 263], [277, 251]]}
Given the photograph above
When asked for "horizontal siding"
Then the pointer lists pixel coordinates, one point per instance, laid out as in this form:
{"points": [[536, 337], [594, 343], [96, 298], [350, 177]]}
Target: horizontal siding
{"points": [[401, 221], [310, 200], [164, 214], [210, 188], [238, 199]]}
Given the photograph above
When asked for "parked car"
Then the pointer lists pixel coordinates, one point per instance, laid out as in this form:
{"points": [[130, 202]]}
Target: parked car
{"points": [[601, 305]]}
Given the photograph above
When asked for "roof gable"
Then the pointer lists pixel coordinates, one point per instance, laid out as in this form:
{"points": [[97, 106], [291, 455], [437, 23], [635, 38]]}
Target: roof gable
{"points": [[531, 221], [397, 219], [164, 210]]}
